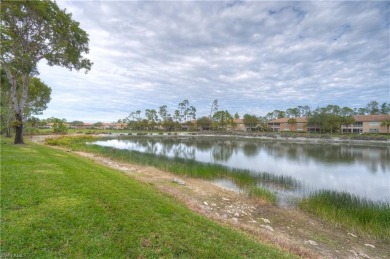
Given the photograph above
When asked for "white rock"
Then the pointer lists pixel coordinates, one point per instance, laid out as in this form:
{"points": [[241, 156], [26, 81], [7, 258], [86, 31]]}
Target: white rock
{"points": [[237, 215], [352, 235], [372, 246], [205, 203], [266, 220], [310, 242], [178, 181], [225, 199], [363, 255], [267, 227], [235, 220]]}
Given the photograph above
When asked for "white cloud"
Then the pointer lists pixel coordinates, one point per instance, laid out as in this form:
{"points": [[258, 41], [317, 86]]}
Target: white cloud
{"points": [[253, 56]]}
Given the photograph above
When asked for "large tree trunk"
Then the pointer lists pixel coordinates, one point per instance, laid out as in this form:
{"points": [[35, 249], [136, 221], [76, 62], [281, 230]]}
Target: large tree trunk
{"points": [[19, 130], [18, 101]]}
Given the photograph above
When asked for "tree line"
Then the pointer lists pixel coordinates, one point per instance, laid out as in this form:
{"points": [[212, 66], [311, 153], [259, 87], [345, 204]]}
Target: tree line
{"points": [[326, 119]]}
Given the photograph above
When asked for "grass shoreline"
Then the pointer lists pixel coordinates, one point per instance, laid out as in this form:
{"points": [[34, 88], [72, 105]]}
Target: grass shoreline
{"points": [[57, 204], [321, 204]]}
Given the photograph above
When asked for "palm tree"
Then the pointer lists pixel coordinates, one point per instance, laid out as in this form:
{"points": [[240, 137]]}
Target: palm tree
{"points": [[386, 123], [291, 122], [347, 120]]}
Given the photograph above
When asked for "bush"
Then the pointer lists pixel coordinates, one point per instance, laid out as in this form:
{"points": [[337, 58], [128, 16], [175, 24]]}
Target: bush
{"points": [[67, 140]]}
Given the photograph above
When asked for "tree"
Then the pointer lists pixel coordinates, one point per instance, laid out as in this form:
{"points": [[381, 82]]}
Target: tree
{"points": [[151, 116], [372, 108], [177, 116], [292, 113], [6, 105], [236, 116], [346, 120], [98, 124], [163, 112], [214, 108], [170, 125], [346, 111], [77, 124], [385, 108], [222, 119], [183, 108], [204, 122], [59, 125], [291, 122], [191, 112], [250, 121], [386, 123], [278, 114], [38, 98], [32, 31]]}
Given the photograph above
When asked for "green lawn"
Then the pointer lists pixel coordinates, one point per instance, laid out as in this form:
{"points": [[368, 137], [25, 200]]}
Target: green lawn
{"points": [[56, 204]]}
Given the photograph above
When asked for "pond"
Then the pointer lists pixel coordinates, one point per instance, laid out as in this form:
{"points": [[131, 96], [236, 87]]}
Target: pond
{"points": [[359, 170]]}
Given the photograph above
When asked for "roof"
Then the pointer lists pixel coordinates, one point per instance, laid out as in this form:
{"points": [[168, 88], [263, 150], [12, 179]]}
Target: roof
{"points": [[364, 118], [285, 120]]}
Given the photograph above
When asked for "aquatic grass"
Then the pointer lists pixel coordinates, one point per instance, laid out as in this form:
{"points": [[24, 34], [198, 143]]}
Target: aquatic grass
{"points": [[344, 209], [261, 192]]}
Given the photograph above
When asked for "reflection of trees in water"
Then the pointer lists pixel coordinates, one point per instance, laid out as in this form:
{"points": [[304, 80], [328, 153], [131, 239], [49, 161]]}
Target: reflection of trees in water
{"points": [[223, 150], [184, 151], [376, 159], [250, 149], [203, 145]]}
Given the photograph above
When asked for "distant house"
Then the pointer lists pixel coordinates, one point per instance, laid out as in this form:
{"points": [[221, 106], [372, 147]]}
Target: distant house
{"points": [[363, 124], [367, 124], [288, 124], [238, 125]]}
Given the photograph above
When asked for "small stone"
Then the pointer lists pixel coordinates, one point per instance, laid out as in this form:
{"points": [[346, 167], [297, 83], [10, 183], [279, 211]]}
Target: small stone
{"points": [[178, 181], [235, 220], [266, 220], [352, 235], [310, 242], [267, 227], [205, 203], [372, 246], [225, 199], [363, 255], [354, 253], [237, 215]]}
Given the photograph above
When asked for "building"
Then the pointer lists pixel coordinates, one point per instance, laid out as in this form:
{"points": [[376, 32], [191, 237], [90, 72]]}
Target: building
{"points": [[288, 124], [367, 124], [362, 124]]}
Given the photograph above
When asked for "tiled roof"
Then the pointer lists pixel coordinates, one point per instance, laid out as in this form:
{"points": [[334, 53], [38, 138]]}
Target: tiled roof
{"points": [[285, 120], [364, 118]]}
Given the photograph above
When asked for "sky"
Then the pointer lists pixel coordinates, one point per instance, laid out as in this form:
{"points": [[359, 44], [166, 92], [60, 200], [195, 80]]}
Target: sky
{"points": [[253, 56]]}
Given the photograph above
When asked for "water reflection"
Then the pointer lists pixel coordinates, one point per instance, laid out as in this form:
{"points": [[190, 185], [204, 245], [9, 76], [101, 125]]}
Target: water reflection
{"points": [[360, 170]]}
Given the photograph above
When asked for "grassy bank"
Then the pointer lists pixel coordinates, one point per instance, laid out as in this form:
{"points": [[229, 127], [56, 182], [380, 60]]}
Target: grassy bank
{"points": [[57, 204], [360, 215], [244, 179]]}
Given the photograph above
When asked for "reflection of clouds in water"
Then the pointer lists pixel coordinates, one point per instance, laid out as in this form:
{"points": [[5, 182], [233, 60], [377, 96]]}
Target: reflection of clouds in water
{"points": [[359, 170]]}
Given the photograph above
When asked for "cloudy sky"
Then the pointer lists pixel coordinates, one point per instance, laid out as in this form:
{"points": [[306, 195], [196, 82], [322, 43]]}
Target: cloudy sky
{"points": [[254, 57]]}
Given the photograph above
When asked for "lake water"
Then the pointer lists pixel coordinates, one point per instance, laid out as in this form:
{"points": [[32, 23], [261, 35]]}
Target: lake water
{"points": [[359, 170]]}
